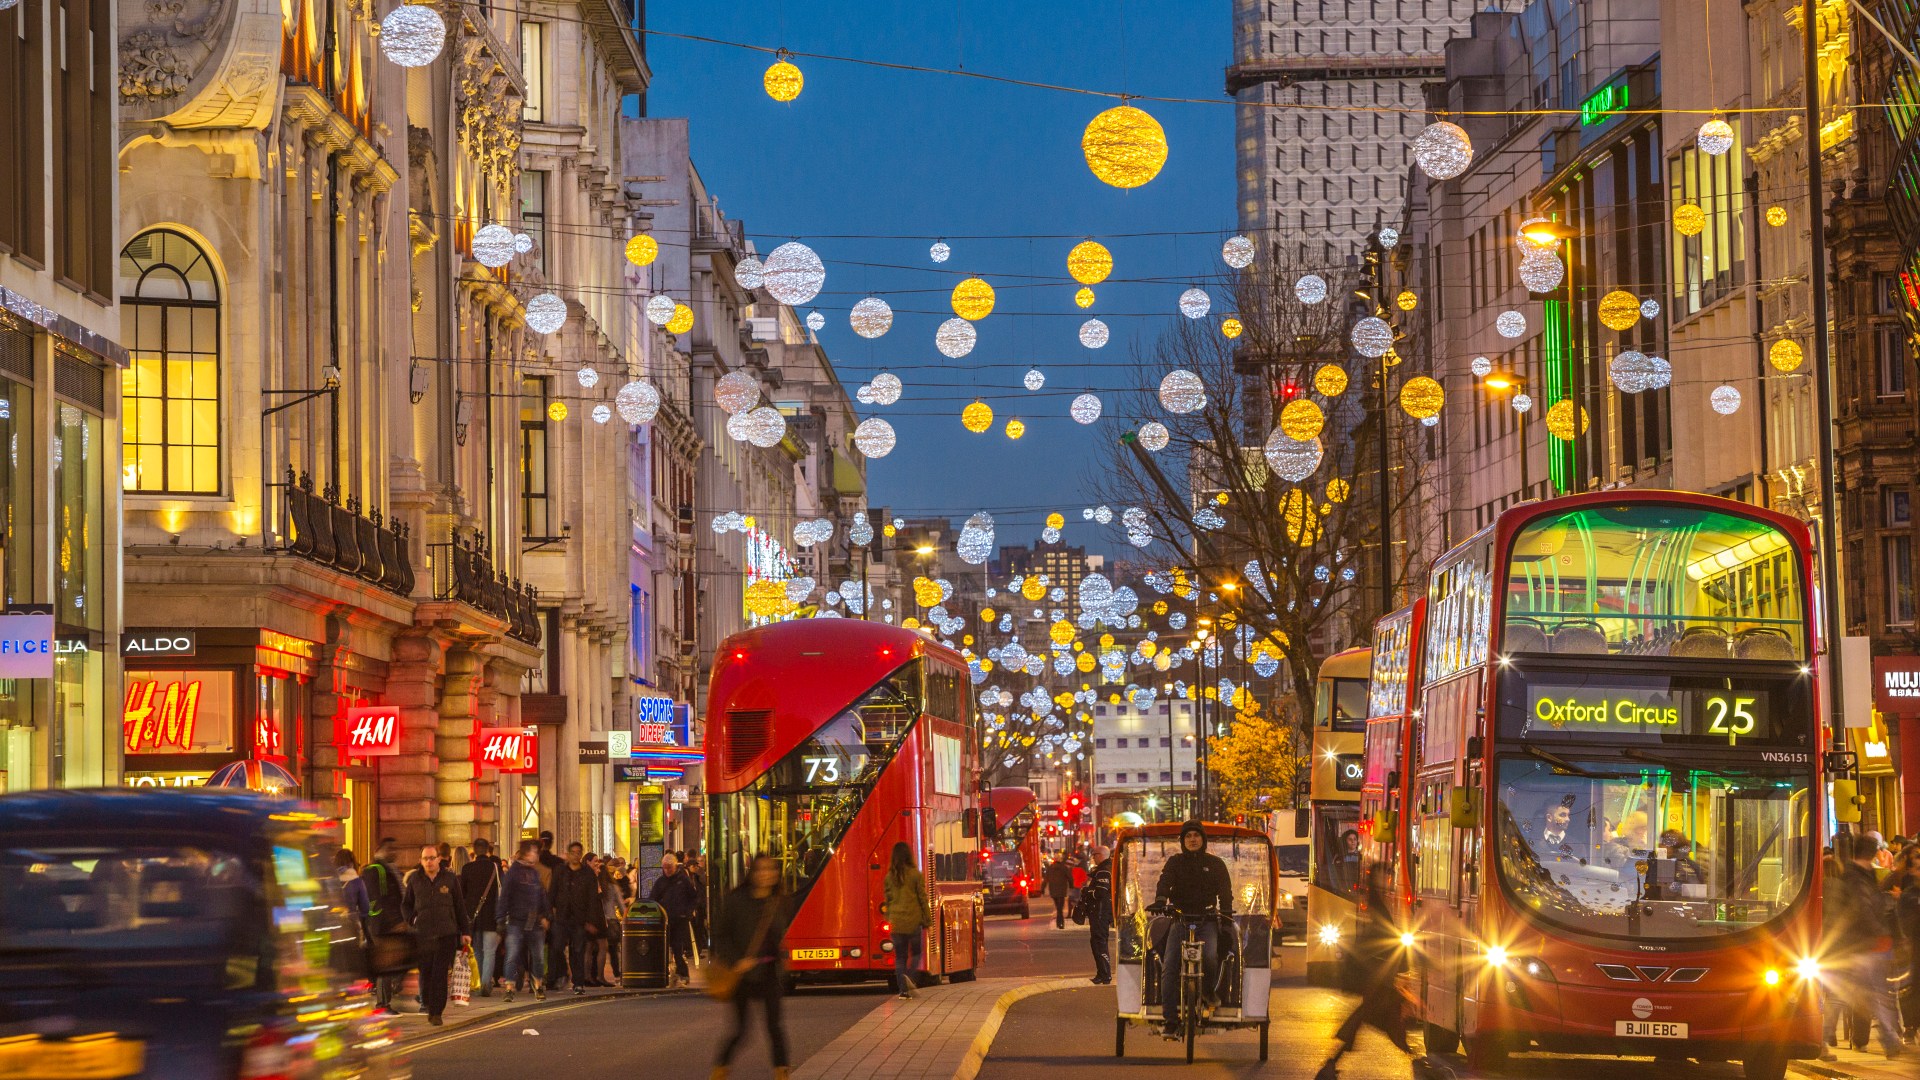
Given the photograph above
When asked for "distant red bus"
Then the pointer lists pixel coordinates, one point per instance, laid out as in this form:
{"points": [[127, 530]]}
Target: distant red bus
{"points": [[1392, 708], [1012, 869], [1614, 785], [828, 741]]}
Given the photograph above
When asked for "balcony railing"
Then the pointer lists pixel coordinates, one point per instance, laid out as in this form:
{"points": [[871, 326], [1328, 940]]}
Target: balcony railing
{"points": [[341, 537], [463, 571]]}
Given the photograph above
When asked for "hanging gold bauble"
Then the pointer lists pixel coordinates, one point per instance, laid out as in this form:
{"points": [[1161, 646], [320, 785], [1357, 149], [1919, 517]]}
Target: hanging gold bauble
{"points": [[1296, 511], [1124, 146], [1016, 428], [1085, 662], [1560, 421], [1619, 310], [556, 410], [1330, 380], [1230, 327], [1338, 490], [973, 299], [783, 81], [1084, 297], [1061, 632], [767, 599], [977, 417], [1776, 216], [682, 320], [888, 530], [1302, 419], [1056, 520], [642, 250], [1785, 355], [1031, 587], [927, 592], [986, 614], [1089, 262], [1689, 219], [1406, 301], [1422, 397]]}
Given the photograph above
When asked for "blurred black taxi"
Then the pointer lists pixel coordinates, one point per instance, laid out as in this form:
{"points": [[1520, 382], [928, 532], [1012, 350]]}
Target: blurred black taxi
{"points": [[178, 933]]}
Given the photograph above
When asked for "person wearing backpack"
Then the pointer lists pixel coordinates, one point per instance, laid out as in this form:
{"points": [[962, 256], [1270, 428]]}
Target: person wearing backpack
{"points": [[385, 919], [907, 915]]}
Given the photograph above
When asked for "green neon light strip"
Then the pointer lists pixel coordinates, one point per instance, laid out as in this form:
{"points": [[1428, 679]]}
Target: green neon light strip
{"points": [[1559, 377]]}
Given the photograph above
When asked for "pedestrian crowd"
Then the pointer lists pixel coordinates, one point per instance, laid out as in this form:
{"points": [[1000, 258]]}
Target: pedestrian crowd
{"points": [[543, 921], [1870, 956]]}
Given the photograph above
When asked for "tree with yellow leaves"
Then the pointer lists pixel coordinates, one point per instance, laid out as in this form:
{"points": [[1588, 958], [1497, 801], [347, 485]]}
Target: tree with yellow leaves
{"points": [[1257, 761]]}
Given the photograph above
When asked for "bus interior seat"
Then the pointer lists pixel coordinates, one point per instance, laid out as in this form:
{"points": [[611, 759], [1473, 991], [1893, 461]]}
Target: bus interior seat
{"points": [[1762, 643], [1584, 636], [1702, 641], [1525, 636]]}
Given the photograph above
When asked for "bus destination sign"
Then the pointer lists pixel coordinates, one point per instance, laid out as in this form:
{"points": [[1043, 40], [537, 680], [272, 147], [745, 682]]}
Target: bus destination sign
{"points": [[1640, 709]]}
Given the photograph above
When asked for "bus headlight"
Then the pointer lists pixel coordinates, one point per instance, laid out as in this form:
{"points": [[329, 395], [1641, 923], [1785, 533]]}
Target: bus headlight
{"points": [[1809, 968], [1330, 934], [1497, 955], [1771, 977], [1407, 939]]}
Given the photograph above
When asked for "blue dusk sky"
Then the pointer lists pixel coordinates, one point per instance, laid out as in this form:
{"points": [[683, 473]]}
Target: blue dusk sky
{"points": [[870, 165]]}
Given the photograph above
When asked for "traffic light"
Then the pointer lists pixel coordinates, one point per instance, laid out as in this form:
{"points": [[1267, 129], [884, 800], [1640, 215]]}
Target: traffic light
{"points": [[1072, 806]]}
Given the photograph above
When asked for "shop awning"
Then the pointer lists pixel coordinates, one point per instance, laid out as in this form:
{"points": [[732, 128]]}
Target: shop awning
{"points": [[846, 476]]}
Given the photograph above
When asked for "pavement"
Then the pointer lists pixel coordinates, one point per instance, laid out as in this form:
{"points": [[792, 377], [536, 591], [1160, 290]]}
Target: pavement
{"points": [[1034, 1016]]}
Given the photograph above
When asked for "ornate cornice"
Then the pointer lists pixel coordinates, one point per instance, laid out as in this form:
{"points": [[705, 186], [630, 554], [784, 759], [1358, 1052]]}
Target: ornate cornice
{"points": [[192, 64]]}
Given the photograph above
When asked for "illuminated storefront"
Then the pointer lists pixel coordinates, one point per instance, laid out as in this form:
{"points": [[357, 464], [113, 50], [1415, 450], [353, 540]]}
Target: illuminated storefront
{"points": [[194, 699]]}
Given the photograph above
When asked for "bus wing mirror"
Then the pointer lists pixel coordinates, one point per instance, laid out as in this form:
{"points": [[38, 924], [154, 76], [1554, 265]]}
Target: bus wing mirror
{"points": [[1473, 748], [1302, 821], [970, 823], [1847, 801], [989, 823], [1464, 810]]}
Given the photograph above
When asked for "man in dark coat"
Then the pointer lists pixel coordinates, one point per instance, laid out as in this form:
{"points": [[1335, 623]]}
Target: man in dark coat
{"points": [[1096, 898], [480, 884], [433, 906], [1192, 882], [1058, 878], [576, 902], [676, 892], [524, 909]]}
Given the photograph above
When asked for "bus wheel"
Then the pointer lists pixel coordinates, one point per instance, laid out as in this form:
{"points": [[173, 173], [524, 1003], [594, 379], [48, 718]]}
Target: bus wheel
{"points": [[1119, 1038], [1026, 910], [1764, 1063], [968, 975], [1439, 1039], [1487, 1052]]}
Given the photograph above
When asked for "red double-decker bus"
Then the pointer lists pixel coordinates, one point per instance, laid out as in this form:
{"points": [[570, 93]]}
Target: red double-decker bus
{"points": [[1614, 801], [1012, 866], [828, 741], [1393, 681]]}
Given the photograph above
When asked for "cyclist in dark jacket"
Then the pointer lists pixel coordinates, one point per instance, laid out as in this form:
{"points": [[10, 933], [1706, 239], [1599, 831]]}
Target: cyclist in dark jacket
{"points": [[1192, 882]]}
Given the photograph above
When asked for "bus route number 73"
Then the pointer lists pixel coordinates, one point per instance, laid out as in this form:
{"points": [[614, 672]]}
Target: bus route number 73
{"points": [[1732, 717], [822, 770]]}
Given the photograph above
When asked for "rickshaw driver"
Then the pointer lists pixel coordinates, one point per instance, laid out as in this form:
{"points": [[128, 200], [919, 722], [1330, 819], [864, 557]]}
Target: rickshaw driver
{"points": [[1193, 881]]}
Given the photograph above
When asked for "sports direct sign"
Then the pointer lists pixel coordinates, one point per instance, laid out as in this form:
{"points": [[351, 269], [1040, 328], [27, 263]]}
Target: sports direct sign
{"points": [[371, 731]]}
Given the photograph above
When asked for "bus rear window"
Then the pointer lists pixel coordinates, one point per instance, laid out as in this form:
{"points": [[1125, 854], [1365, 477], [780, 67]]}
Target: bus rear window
{"points": [[1655, 580]]}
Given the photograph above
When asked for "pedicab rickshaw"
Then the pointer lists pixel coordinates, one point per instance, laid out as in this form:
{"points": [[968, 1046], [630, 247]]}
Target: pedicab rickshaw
{"points": [[1247, 951]]}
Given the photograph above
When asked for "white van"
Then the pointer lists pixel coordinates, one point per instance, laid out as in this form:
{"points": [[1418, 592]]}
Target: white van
{"points": [[1290, 830]]}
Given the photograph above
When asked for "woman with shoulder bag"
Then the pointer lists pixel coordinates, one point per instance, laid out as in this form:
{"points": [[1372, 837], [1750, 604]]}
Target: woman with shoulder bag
{"points": [[907, 916], [613, 909], [747, 932]]}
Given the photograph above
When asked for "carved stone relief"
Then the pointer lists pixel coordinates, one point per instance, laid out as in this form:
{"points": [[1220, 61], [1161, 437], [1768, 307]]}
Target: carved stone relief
{"points": [[198, 64]]}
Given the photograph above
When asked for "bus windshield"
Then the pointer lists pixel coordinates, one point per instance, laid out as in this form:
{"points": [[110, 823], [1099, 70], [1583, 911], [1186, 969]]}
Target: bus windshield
{"points": [[1654, 580], [1013, 832], [1631, 844], [801, 808], [1341, 705]]}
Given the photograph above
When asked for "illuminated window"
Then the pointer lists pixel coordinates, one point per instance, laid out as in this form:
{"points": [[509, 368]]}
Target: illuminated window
{"points": [[1711, 264], [535, 522], [170, 321]]}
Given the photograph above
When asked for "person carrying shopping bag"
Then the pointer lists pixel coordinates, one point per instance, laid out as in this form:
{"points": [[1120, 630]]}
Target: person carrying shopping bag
{"points": [[908, 915], [747, 932]]}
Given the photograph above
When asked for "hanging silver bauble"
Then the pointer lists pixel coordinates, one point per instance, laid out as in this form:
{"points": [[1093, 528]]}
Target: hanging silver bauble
{"points": [[1510, 324], [870, 317], [1662, 373], [975, 545], [660, 309], [1443, 151], [588, 377], [522, 243], [750, 273], [1649, 309], [1631, 371], [1371, 337], [1292, 459], [1035, 379], [1237, 252], [1523, 403], [1310, 289], [1181, 392], [816, 321], [1085, 409], [1195, 303], [874, 437], [1725, 400], [1542, 271], [940, 252], [886, 388], [736, 392], [1481, 367], [1715, 137], [602, 414], [546, 313], [637, 401], [864, 395], [1154, 435], [955, 338], [411, 35], [794, 274], [1389, 237], [764, 427], [492, 244], [1093, 333]]}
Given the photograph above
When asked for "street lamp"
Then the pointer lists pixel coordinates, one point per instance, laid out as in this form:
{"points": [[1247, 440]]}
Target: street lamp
{"points": [[1549, 235], [1501, 382]]}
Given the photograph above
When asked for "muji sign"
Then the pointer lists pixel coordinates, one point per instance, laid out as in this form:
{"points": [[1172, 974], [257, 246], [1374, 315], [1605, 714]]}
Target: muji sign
{"points": [[371, 731], [509, 750]]}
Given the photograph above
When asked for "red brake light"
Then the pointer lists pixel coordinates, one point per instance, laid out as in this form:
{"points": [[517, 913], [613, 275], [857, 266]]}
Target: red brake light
{"points": [[886, 928], [739, 655], [886, 652]]}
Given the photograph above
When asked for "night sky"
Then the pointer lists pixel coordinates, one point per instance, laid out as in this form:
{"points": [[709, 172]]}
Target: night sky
{"points": [[868, 166]]}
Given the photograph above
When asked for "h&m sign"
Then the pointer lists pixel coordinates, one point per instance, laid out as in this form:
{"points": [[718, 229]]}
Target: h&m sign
{"points": [[371, 731], [508, 750]]}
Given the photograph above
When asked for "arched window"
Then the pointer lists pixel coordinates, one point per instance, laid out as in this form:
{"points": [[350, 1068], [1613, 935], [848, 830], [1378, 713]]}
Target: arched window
{"points": [[170, 396]]}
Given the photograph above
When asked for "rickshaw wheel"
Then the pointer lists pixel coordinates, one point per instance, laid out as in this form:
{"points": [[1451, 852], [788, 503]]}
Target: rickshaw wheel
{"points": [[1263, 1040], [1193, 1032], [1119, 1038], [1439, 1039]]}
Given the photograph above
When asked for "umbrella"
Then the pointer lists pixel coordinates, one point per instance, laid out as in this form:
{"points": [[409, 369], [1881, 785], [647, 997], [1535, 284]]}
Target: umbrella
{"points": [[254, 775]]}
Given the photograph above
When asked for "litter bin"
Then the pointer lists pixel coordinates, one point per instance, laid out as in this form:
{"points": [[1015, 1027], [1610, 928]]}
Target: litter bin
{"points": [[643, 947]]}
